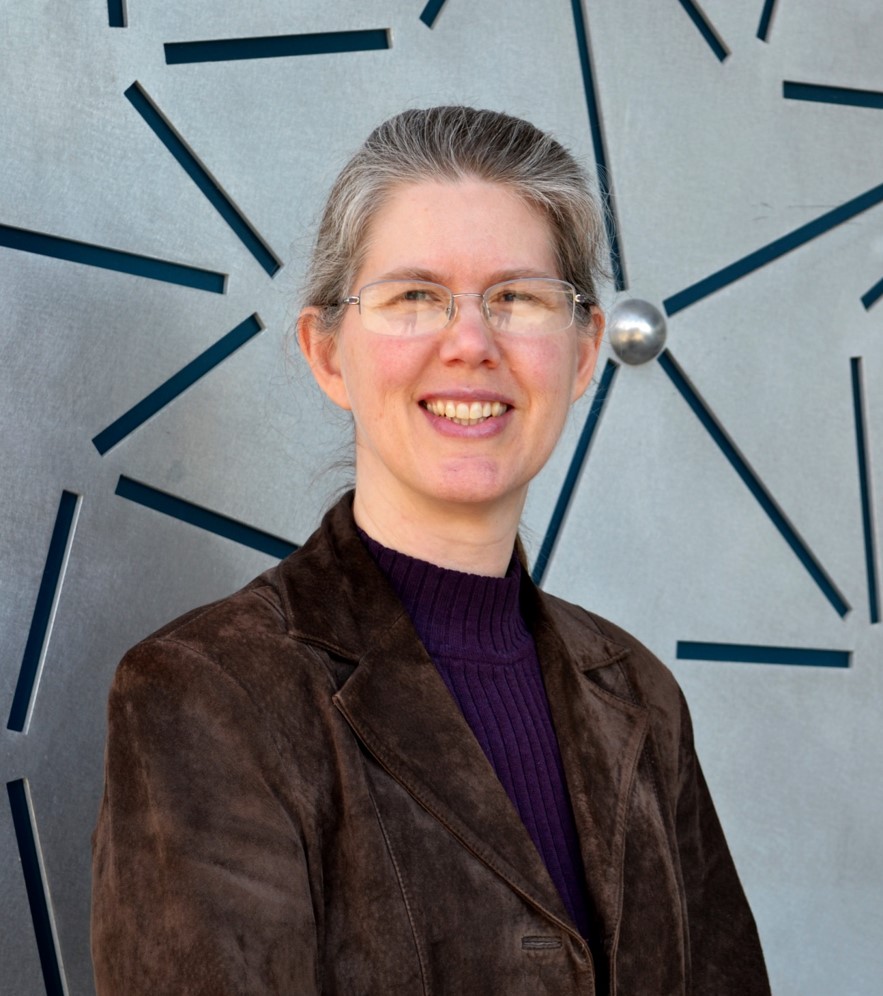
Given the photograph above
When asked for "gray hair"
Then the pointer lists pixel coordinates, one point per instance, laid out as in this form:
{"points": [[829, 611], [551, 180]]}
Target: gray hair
{"points": [[452, 144]]}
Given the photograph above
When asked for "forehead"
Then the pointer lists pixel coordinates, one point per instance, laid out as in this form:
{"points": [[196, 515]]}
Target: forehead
{"points": [[468, 230]]}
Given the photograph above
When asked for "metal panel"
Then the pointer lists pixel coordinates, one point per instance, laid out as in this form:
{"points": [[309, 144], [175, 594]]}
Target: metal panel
{"points": [[725, 494]]}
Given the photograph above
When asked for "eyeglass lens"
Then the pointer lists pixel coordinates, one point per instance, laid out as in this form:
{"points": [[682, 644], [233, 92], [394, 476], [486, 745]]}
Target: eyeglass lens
{"points": [[532, 305]]}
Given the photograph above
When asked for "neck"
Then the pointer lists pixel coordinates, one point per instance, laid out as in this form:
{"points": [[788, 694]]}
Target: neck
{"points": [[461, 536]]}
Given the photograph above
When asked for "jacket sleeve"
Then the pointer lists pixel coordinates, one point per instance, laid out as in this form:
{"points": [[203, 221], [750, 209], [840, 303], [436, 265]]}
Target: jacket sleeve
{"points": [[725, 953], [200, 882]]}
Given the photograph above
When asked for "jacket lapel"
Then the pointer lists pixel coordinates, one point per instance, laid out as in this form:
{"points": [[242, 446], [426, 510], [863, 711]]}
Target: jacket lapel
{"points": [[335, 597], [600, 735], [398, 705]]}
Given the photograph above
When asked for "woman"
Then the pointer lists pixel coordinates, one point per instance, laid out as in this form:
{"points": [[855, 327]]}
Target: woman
{"points": [[391, 764]]}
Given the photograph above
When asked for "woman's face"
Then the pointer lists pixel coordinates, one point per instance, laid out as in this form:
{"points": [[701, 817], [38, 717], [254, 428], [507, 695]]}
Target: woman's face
{"points": [[466, 236]]}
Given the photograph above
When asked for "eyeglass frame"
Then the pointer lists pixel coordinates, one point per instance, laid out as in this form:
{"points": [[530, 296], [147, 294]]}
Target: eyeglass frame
{"points": [[577, 298]]}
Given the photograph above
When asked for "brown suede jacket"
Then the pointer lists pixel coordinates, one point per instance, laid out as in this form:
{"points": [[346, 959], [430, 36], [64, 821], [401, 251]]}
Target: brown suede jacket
{"points": [[294, 804]]}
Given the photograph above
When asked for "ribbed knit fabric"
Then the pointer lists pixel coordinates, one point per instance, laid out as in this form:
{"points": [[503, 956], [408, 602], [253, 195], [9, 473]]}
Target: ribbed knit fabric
{"points": [[473, 630]]}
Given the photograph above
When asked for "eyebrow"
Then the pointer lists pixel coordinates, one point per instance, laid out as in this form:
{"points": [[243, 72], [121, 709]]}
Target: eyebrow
{"points": [[418, 273]]}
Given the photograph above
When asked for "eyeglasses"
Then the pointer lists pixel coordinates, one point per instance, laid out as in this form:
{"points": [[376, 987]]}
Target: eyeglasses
{"points": [[526, 306]]}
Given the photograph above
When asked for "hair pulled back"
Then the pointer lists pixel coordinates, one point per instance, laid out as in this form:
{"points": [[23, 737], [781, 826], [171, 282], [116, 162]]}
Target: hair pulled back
{"points": [[450, 144]]}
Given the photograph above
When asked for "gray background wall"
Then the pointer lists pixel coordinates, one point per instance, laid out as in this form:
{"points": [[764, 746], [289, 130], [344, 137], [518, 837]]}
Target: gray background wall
{"points": [[724, 499]]}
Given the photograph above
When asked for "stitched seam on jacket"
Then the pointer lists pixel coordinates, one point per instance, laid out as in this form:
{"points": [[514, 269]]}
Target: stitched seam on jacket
{"points": [[577, 613], [259, 714], [622, 817], [653, 764], [272, 742], [421, 961], [650, 741], [652, 750], [263, 593], [395, 772], [337, 649]]}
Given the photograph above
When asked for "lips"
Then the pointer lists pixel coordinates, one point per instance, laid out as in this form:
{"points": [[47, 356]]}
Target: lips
{"points": [[465, 412]]}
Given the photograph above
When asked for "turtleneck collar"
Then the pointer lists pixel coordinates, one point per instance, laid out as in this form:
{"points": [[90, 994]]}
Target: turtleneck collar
{"points": [[456, 614]]}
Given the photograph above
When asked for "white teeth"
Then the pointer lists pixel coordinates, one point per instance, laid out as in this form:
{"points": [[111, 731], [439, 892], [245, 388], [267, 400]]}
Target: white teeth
{"points": [[466, 413]]}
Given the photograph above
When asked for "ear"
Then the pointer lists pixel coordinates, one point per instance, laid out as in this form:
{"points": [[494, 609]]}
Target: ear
{"points": [[321, 352], [588, 344]]}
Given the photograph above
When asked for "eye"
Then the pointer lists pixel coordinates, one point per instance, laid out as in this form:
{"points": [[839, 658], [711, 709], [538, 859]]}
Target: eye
{"points": [[421, 294], [394, 296], [406, 295], [511, 295], [508, 295]]}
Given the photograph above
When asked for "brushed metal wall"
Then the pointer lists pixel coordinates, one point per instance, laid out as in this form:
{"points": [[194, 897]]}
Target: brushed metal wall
{"points": [[161, 446]]}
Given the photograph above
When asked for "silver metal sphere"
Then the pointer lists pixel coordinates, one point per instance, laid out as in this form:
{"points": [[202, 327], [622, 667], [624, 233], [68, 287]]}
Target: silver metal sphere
{"points": [[636, 330]]}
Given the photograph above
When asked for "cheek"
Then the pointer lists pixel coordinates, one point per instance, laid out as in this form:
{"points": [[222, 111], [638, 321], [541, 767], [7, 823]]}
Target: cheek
{"points": [[380, 374], [549, 368]]}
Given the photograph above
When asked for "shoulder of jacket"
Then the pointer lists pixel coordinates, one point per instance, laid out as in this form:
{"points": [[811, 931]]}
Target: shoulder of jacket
{"points": [[253, 608], [651, 680], [246, 634]]}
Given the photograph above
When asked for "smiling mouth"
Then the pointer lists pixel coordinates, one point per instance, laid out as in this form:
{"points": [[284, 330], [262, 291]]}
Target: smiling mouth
{"points": [[466, 412]]}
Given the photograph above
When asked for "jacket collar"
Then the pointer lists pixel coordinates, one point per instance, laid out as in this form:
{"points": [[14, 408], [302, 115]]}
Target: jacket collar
{"points": [[334, 596]]}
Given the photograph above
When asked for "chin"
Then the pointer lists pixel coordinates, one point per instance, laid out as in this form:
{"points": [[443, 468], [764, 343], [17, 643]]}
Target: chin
{"points": [[475, 488]]}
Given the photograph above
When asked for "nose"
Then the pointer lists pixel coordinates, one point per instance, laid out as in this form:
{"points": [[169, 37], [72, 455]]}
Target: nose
{"points": [[467, 337]]}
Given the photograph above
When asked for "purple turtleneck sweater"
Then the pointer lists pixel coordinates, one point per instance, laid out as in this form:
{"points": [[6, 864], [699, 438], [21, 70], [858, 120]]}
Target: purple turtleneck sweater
{"points": [[473, 630]]}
